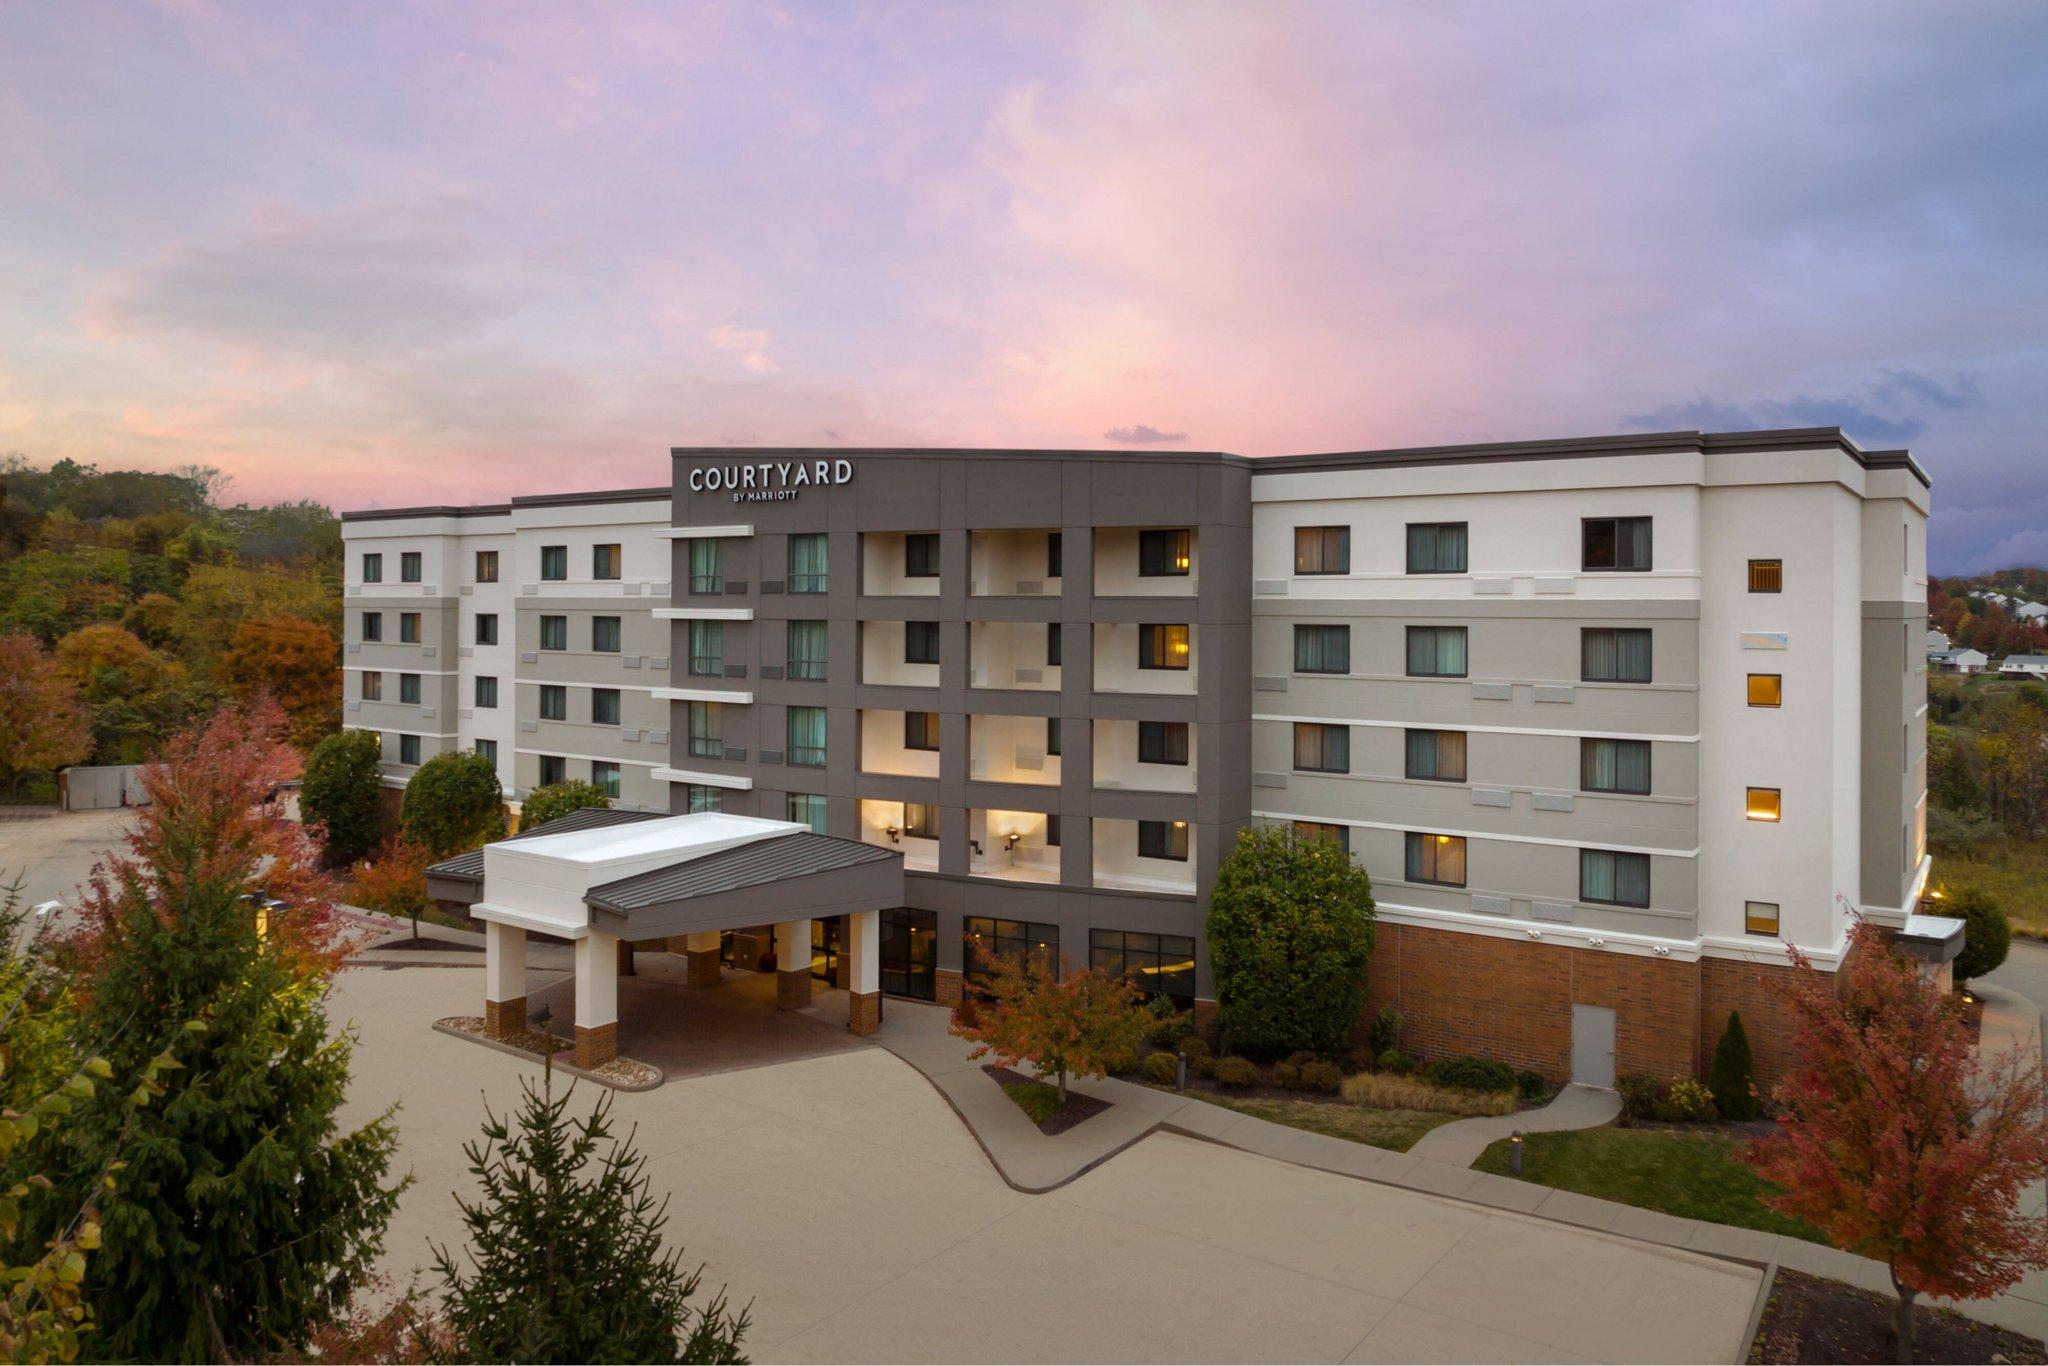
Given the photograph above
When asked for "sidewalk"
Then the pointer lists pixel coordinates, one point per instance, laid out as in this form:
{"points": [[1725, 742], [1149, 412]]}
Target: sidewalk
{"points": [[1460, 1143]]}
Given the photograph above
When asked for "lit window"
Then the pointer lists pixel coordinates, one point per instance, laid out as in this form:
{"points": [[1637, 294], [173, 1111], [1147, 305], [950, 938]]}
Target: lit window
{"points": [[1163, 554], [1766, 576], [1319, 832], [373, 687], [1320, 748], [1766, 690], [1437, 858], [1760, 917], [1762, 804], [921, 730], [1163, 839], [1322, 550], [1162, 647], [486, 566]]}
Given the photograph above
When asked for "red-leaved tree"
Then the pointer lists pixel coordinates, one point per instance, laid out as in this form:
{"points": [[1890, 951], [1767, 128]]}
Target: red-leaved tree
{"points": [[1077, 1022], [1896, 1140]]}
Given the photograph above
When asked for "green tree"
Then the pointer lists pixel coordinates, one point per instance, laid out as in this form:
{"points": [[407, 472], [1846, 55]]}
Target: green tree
{"points": [[565, 1262], [1290, 934], [544, 804], [340, 795], [453, 803], [1732, 1078], [1987, 932]]}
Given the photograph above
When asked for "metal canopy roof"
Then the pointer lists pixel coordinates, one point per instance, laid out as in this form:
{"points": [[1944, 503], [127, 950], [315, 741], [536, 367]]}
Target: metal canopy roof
{"points": [[469, 867], [802, 854]]}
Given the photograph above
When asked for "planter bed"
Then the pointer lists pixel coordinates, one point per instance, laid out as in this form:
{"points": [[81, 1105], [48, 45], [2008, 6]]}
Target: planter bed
{"points": [[1808, 1318]]}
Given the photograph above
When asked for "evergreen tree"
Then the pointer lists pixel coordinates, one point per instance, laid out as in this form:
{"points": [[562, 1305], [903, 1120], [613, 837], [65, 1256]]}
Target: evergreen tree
{"points": [[340, 794], [1987, 932], [453, 803], [565, 1256], [1732, 1078]]}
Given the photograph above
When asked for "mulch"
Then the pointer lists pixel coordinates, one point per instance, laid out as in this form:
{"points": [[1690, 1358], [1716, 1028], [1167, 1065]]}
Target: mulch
{"points": [[1810, 1318], [1077, 1108]]}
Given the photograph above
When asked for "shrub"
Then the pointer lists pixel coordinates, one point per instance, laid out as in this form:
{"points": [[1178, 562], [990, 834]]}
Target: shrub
{"points": [[1171, 1025], [1472, 1074], [1386, 1030], [339, 796], [1733, 1076], [1394, 1060], [1685, 1101], [556, 800], [1122, 1063], [1639, 1095], [1987, 932], [1532, 1085], [394, 883], [1385, 1091], [1286, 1076], [1322, 1076], [1290, 933], [1235, 1072], [1361, 1058], [454, 803], [1195, 1050], [1162, 1069]]}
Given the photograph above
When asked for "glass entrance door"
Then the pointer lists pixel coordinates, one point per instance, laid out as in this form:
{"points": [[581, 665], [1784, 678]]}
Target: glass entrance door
{"points": [[910, 953], [825, 950]]}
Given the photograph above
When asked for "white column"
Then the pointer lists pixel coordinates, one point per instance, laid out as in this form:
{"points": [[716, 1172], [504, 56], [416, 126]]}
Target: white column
{"points": [[864, 952], [504, 962], [597, 980], [793, 946]]}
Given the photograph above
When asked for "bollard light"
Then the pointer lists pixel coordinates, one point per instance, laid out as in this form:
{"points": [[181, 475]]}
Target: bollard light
{"points": [[1515, 1152], [1180, 1081]]}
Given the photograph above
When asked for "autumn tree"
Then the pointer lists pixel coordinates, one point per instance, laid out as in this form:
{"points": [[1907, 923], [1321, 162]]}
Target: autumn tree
{"points": [[296, 662], [394, 882], [43, 724], [1897, 1141], [2014, 750], [134, 695], [1080, 1022]]}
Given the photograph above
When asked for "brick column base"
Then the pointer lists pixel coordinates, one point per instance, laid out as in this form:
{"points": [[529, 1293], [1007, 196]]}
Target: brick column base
{"points": [[793, 989], [949, 988], [864, 1011], [700, 968], [596, 1045], [677, 943], [503, 1019]]}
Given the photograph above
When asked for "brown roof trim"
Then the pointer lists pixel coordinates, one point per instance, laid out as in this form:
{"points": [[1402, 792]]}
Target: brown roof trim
{"points": [[744, 454], [390, 514]]}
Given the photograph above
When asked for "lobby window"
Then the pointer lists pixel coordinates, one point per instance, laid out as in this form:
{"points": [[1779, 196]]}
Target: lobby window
{"points": [[1320, 832], [1611, 655], [1052, 737], [1162, 647], [1436, 652], [707, 649], [1163, 554], [409, 689], [806, 649], [1154, 964], [554, 633], [604, 776], [1614, 879], [1436, 756], [920, 820], [373, 626], [487, 628], [604, 561], [1437, 859], [408, 749], [554, 702], [921, 730], [487, 690], [1762, 804], [703, 797], [409, 628], [910, 953], [1614, 543], [373, 686], [1164, 840], [921, 555], [409, 567], [707, 565], [373, 569], [1163, 742], [1052, 832], [604, 635], [1322, 550], [1322, 749], [1052, 645], [1614, 766], [807, 563], [1322, 649], [1767, 690], [604, 707], [805, 728], [1436, 547], [707, 730], [1760, 917], [1766, 576], [487, 750], [807, 809], [553, 769], [486, 566], [1054, 551], [985, 941], [920, 642], [554, 562]]}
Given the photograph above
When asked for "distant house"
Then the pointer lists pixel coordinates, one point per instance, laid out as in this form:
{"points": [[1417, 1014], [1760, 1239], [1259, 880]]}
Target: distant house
{"points": [[1957, 661], [1936, 640], [2024, 666], [2030, 611]]}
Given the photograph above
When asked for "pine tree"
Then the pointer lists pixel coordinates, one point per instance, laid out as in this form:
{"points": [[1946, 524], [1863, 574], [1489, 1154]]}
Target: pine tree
{"points": [[565, 1256], [1732, 1078]]}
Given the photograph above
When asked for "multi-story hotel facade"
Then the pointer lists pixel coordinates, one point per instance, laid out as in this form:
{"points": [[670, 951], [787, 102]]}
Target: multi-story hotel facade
{"points": [[1608, 721]]}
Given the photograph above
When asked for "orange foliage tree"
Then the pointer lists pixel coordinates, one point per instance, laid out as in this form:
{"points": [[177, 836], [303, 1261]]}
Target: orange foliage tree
{"points": [[1897, 1140], [1080, 1022], [394, 882], [42, 721], [298, 662]]}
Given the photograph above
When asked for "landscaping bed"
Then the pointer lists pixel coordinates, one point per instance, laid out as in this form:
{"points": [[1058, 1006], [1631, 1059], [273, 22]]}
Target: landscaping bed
{"points": [[1040, 1101], [1809, 1318], [1394, 1130]]}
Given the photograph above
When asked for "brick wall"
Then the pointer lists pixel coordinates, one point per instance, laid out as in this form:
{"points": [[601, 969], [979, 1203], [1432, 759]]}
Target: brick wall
{"points": [[1729, 985]]}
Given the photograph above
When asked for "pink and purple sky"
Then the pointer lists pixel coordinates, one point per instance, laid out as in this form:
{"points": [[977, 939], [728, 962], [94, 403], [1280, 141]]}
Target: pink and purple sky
{"points": [[450, 252]]}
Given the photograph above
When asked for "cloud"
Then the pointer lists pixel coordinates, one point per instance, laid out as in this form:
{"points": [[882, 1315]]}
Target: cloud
{"points": [[1900, 391], [1959, 394], [749, 344], [1141, 435]]}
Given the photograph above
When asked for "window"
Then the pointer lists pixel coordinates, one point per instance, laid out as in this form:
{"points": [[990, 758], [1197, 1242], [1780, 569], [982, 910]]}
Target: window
{"points": [[553, 769], [409, 689], [1614, 879], [1052, 832], [1162, 554], [707, 649], [1766, 576], [1762, 804], [1436, 755], [604, 707], [487, 750], [554, 702], [807, 809], [1614, 766], [707, 730], [604, 776], [910, 953], [985, 942], [1436, 652], [1766, 690], [1322, 649], [1322, 749], [1052, 645], [409, 567], [373, 569], [604, 635], [1154, 964], [1162, 647], [921, 555], [707, 565], [486, 566], [409, 628], [921, 730], [806, 642], [373, 626], [554, 633], [1163, 839], [604, 562], [920, 821], [554, 562], [920, 642], [487, 690], [1315, 832], [1760, 917], [487, 628], [1608, 655], [1436, 547], [1163, 742], [408, 749], [807, 570], [1052, 736], [1322, 550], [373, 687], [806, 732], [1437, 859], [1054, 553], [703, 797], [1615, 543]]}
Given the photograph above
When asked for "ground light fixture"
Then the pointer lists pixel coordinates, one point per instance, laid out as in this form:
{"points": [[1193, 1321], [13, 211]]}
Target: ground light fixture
{"points": [[1515, 1152]]}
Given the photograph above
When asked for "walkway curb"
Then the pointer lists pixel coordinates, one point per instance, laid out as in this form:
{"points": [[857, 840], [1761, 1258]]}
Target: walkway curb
{"points": [[556, 1060]]}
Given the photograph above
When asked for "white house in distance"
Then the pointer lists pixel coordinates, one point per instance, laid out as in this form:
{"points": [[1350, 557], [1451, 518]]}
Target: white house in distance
{"points": [[1936, 640], [2030, 611], [1957, 661], [2024, 666]]}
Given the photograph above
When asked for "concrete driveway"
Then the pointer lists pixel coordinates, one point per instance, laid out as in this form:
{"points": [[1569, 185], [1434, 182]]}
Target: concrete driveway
{"points": [[843, 1197], [54, 853]]}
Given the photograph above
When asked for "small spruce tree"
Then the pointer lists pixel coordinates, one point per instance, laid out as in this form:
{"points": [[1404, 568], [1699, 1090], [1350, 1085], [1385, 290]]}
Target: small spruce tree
{"points": [[453, 803], [1732, 1078], [544, 804]]}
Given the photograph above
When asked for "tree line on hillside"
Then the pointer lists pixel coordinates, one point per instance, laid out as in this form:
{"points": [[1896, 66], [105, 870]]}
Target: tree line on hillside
{"points": [[1957, 609]]}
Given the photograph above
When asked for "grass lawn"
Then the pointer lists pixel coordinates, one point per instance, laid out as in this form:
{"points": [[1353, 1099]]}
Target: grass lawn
{"points": [[2013, 871], [1394, 1130], [1693, 1175], [1037, 1099]]}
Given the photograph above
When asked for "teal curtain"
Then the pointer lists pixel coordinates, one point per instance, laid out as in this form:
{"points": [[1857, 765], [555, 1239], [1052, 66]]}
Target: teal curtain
{"points": [[807, 649], [807, 736], [1623, 879], [707, 574], [707, 647], [807, 567], [1615, 656]]}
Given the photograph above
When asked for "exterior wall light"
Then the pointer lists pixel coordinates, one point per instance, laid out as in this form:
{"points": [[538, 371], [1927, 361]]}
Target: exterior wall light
{"points": [[1010, 840], [895, 834]]}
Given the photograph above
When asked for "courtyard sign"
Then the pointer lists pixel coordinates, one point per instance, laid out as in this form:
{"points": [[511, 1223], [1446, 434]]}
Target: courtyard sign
{"points": [[770, 481]]}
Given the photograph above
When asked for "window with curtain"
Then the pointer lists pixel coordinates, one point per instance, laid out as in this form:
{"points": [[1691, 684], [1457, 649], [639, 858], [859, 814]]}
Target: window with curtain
{"points": [[1163, 742], [1436, 755], [806, 731], [1162, 647], [921, 555], [807, 649], [373, 569], [373, 626], [707, 730], [1763, 804], [554, 562], [486, 566], [409, 628], [1612, 655], [920, 642], [1322, 550], [373, 687], [807, 569], [487, 750], [1615, 543], [1163, 554], [704, 797], [1438, 859], [554, 633], [1163, 839], [807, 809], [920, 820], [1614, 765], [707, 565], [554, 702], [604, 706], [1318, 832], [487, 628], [553, 769], [1322, 749], [409, 567], [487, 690], [409, 689], [921, 730], [1613, 878], [707, 649], [604, 561], [1436, 652], [1436, 547], [604, 776], [1322, 649], [604, 635], [408, 749]]}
